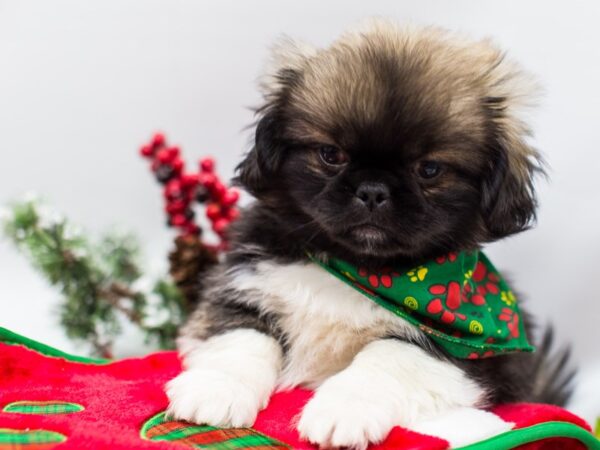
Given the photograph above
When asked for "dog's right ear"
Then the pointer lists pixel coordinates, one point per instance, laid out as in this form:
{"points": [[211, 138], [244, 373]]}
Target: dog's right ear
{"points": [[257, 173]]}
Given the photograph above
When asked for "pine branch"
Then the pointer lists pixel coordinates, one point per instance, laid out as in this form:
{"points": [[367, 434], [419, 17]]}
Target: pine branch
{"points": [[97, 282]]}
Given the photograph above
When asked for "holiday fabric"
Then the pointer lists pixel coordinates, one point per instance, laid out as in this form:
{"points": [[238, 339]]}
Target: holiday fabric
{"points": [[459, 299], [51, 400]]}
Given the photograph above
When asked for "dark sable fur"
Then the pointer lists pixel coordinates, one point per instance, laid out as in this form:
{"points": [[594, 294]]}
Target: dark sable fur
{"points": [[390, 99]]}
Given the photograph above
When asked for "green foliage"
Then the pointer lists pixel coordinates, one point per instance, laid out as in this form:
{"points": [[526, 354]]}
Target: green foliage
{"points": [[98, 281]]}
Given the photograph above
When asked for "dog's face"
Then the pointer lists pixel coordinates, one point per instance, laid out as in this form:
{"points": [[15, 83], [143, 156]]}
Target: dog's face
{"points": [[394, 143]]}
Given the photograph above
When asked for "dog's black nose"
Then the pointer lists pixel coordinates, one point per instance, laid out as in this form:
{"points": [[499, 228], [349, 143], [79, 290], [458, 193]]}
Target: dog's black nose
{"points": [[373, 194]]}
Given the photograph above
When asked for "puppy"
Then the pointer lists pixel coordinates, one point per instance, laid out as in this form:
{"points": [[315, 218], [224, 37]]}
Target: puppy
{"points": [[392, 148]]}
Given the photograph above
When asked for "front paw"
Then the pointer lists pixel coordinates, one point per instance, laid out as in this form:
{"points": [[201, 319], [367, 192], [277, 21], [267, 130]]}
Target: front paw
{"points": [[342, 415], [214, 397]]}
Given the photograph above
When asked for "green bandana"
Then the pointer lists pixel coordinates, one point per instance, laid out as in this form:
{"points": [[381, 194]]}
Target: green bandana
{"points": [[458, 299]]}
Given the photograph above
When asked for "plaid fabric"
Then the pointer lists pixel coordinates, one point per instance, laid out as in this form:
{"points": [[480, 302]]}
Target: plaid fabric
{"points": [[51, 407], [158, 428], [29, 439]]}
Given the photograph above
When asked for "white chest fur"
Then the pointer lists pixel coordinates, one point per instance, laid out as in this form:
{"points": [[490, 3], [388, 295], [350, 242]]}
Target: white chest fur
{"points": [[326, 322]]}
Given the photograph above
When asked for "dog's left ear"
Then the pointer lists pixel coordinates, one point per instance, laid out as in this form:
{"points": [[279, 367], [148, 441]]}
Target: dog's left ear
{"points": [[507, 193], [508, 201]]}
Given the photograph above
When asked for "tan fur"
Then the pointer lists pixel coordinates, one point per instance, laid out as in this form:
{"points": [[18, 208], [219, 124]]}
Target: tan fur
{"points": [[448, 75]]}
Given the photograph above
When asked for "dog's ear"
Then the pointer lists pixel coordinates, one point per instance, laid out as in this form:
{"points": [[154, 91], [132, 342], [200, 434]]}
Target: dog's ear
{"points": [[507, 192], [508, 202], [257, 173]]}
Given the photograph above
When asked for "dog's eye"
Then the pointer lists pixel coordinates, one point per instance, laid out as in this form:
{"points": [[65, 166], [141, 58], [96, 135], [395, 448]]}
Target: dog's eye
{"points": [[333, 156], [429, 169]]}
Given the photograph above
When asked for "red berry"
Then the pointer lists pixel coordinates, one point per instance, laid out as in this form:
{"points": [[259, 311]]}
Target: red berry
{"points": [[192, 228], [163, 156], [155, 165], [233, 213], [146, 151], [218, 190], [207, 165], [173, 152], [220, 225], [230, 197], [173, 189], [189, 180], [158, 140], [213, 211], [179, 220], [176, 206], [177, 165], [207, 180], [191, 194], [174, 185]]}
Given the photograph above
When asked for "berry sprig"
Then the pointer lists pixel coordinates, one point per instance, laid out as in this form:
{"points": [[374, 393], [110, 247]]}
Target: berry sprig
{"points": [[182, 189]]}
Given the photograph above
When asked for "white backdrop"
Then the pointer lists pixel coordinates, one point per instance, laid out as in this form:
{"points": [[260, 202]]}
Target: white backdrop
{"points": [[83, 83]]}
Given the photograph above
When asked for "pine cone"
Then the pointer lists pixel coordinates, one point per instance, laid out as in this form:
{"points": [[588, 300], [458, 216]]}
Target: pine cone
{"points": [[189, 260]]}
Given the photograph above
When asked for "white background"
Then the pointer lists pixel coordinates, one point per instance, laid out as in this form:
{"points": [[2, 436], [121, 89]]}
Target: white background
{"points": [[83, 83]]}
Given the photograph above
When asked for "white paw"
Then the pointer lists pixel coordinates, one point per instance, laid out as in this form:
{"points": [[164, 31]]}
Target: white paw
{"points": [[463, 426], [213, 397], [339, 416]]}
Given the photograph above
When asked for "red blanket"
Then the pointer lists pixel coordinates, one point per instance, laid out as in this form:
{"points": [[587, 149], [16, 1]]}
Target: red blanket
{"points": [[49, 399]]}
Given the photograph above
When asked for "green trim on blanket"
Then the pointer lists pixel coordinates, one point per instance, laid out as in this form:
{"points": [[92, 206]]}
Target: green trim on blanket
{"points": [[10, 337], [545, 430]]}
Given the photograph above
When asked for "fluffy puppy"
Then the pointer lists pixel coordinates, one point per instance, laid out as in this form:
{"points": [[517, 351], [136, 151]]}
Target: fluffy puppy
{"points": [[392, 146]]}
